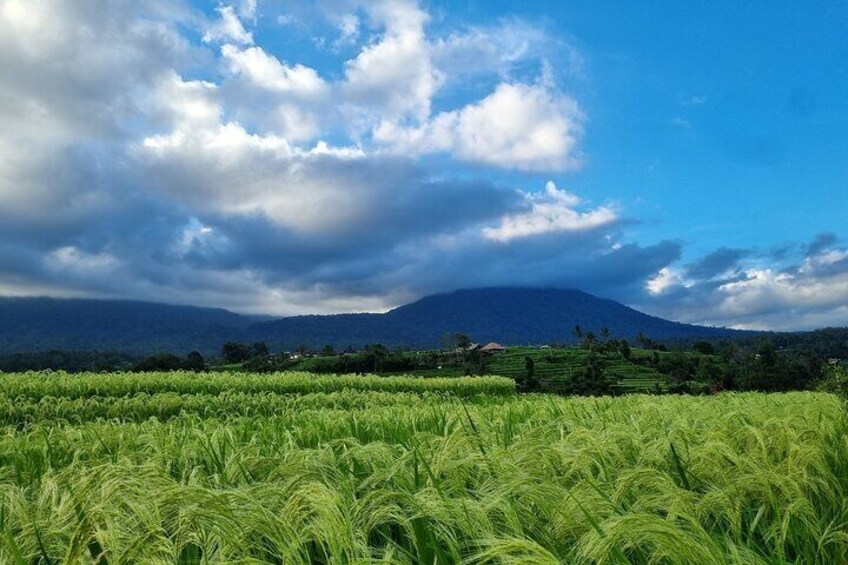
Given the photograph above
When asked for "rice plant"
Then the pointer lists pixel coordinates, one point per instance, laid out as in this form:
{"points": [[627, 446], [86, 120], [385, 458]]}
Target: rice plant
{"points": [[37, 385], [248, 469]]}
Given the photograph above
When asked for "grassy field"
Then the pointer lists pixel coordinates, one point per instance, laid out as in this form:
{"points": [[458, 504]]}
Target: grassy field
{"points": [[294, 468]]}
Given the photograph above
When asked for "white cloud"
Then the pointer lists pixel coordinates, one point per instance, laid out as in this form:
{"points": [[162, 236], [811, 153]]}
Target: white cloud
{"points": [[227, 28], [388, 89], [290, 100], [518, 126], [73, 81], [521, 126], [501, 49], [227, 170], [763, 290], [247, 9], [694, 101], [390, 86], [822, 260], [267, 72], [809, 294], [348, 26], [392, 78], [553, 211], [269, 187], [664, 279], [186, 104], [79, 68], [70, 258]]}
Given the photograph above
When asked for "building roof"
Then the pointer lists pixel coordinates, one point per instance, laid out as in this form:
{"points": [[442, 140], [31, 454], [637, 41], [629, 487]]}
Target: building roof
{"points": [[492, 346]]}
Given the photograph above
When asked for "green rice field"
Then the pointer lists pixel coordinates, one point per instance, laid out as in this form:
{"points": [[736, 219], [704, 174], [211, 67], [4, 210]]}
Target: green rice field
{"points": [[554, 365], [291, 468]]}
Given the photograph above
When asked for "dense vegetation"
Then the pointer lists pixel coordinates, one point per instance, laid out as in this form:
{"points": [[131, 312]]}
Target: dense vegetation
{"points": [[72, 361], [195, 468], [835, 381], [598, 365], [581, 361]]}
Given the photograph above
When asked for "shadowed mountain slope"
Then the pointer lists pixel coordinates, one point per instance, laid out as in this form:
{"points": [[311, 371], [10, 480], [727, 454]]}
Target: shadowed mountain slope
{"points": [[506, 315], [139, 328]]}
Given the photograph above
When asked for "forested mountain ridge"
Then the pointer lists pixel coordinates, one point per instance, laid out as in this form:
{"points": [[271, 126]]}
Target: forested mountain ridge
{"points": [[506, 315], [139, 328]]}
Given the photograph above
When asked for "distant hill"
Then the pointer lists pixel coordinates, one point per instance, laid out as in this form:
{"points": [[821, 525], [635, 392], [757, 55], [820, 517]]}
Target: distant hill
{"points": [[506, 315], [139, 328]]}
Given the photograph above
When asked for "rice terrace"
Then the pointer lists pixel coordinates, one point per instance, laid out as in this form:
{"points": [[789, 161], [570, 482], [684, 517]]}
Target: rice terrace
{"points": [[423, 282]]}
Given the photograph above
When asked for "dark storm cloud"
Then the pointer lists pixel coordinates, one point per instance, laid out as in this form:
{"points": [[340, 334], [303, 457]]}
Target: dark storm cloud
{"points": [[821, 242], [715, 263], [584, 261], [137, 242]]}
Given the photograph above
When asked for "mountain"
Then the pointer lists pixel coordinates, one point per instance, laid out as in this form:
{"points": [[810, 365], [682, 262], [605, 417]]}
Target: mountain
{"points": [[140, 328], [506, 315]]}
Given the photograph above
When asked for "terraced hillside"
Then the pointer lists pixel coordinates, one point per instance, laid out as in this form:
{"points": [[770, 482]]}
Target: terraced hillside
{"points": [[561, 365]]}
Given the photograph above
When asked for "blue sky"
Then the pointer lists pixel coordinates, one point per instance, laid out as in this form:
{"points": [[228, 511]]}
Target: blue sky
{"points": [[292, 157]]}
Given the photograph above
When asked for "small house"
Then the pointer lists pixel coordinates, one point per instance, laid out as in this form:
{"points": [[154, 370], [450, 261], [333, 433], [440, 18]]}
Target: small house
{"points": [[492, 347]]}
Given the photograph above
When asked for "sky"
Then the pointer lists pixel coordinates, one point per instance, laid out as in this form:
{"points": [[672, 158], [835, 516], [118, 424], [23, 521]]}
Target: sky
{"points": [[687, 159]]}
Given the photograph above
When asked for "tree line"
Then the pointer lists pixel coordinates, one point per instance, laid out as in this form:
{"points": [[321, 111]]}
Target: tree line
{"points": [[771, 362]]}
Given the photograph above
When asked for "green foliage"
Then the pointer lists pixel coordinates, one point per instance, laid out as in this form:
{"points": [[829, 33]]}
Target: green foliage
{"points": [[769, 363], [234, 352], [703, 347], [589, 380], [679, 370], [624, 349], [835, 380], [822, 344], [528, 382], [195, 361], [298, 469], [374, 358], [708, 371], [36, 386], [168, 362], [598, 372], [72, 361]]}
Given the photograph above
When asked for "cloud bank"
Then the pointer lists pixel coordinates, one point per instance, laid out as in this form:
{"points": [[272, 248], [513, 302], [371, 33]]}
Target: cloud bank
{"points": [[161, 152], [748, 290]]}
